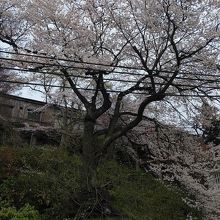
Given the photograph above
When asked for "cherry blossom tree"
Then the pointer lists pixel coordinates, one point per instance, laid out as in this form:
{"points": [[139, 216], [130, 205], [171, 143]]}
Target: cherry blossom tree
{"points": [[161, 47], [6, 87], [6, 76]]}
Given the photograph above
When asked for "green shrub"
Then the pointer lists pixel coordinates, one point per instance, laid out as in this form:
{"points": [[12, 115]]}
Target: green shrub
{"points": [[26, 212], [47, 178], [9, 162]]}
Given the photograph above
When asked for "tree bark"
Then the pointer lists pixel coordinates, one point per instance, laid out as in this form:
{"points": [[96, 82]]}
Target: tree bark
{"points": [[89, 152]]}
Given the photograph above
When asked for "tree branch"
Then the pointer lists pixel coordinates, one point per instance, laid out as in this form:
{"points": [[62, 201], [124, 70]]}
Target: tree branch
{"points": [[73, 86]]}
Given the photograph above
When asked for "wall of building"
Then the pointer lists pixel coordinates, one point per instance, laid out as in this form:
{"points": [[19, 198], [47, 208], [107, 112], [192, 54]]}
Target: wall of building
{"points": [[38, 122], [17, 109]]}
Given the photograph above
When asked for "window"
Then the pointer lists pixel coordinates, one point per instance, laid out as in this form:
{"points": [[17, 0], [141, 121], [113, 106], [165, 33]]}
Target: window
{"points": [[33, 115], [6, 110]]}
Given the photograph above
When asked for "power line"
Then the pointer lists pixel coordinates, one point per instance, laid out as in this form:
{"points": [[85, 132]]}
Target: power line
{"points": [[95, 64], [59, 74], [56, 86], [113, 91], [73, 61], [70, 67], [133, 74], [119, 80]]}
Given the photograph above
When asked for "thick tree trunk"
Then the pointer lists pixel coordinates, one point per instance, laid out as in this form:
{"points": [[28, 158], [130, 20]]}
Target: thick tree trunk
{"points": [[89, 152]]}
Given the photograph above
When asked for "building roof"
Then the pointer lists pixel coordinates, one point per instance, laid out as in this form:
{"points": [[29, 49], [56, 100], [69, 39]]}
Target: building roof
{"points": [[22, 99]]}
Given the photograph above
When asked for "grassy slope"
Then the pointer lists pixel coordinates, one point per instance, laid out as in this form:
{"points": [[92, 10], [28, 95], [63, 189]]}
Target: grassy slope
{"points": [[49, 180]]}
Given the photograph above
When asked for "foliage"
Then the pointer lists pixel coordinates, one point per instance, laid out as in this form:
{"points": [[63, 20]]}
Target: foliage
{"points": [[46, 178], [26, 212], [139, 196], [49, 180]]}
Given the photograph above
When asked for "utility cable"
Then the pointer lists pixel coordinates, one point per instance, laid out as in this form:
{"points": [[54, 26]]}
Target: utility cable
{"points": [[95, 64], [108, 90], [118, 80]]}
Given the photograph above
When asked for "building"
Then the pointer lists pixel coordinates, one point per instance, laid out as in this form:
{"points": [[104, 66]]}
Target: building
{"points": [[36, 121], [20, 110]]}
